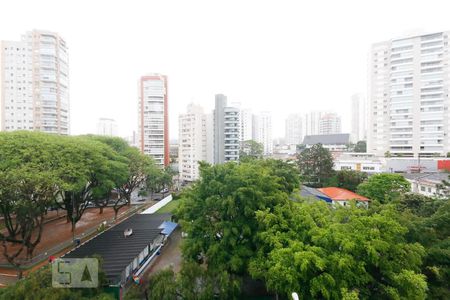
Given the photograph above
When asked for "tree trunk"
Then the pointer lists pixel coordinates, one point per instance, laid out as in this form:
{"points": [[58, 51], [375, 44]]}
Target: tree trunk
{"points": [[101, 210], [116, 211], [19, 273]]}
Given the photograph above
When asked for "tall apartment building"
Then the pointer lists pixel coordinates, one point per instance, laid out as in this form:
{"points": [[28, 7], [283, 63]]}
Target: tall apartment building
{"points": [[246, 125], [192, 142], [262, 131], [312, 122], [227, 126], [359, 118], [330, 123], [294, 129], [107, 127], [154, 118], [34, 83], [409, 96]]}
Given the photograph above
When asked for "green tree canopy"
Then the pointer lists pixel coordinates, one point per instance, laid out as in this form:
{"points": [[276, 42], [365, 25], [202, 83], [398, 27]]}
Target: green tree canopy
{"points": [[251, 149], [316, 165], [384, 188], [347, 179], [218, 212], [361, 146], [322, 252]]}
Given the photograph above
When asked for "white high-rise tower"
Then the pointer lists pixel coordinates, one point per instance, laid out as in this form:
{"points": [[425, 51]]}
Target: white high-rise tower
{"points": [[359, 118], [34, 83], [294, 129], [408, 96]]}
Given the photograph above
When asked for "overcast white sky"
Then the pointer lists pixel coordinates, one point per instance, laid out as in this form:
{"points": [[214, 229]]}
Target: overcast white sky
{"points": [[281, 56]]}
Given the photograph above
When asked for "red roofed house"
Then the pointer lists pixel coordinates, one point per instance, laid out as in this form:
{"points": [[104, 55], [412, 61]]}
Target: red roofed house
{"points": [[343, 196]]}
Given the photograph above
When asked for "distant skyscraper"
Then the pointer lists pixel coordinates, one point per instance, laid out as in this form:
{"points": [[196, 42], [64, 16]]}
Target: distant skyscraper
{"points": [[311, 122], [359, 119], [246, 124], [154, 118], [227, 125], [107, 127], [192, 142], [262, 131], [294, 129], [34, 84], [409, 100], [330, 123]]}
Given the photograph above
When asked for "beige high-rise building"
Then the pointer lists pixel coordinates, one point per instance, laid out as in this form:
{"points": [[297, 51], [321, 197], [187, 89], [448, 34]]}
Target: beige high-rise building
{"points": [[192, 142], [154, 118], [330, 123], [294, 129], [359, 118], [34, 83], [262, 131], [408, 96]]}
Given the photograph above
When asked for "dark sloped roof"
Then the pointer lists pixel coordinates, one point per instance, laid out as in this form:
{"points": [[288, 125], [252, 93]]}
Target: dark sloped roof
{"points": [[117, 250], [327, 139], [309, 192]]}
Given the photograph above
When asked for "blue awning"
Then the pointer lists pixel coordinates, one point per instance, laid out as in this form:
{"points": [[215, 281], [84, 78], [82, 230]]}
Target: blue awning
{"points": [[168, 227]]}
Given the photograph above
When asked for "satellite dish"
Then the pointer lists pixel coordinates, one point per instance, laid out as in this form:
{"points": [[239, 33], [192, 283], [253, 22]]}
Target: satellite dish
{"points": [[127, 232]]}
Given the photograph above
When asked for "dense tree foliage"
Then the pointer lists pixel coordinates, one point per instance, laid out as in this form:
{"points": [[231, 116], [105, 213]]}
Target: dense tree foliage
{"points": [[218, 213], [38, 285], [316, 165], [384, 187], [324, 252], [244, 220], [139, 168], [250, 150], [347, 179], [428, 221], [39, 171], [361, 146]]}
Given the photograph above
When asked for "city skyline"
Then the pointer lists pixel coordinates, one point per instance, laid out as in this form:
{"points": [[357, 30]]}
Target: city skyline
{"points": [[275, 63]]}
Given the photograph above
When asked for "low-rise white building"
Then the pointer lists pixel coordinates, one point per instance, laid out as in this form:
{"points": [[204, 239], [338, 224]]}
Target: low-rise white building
{"points": [[364, 162], [427, 184], [332, 142]]}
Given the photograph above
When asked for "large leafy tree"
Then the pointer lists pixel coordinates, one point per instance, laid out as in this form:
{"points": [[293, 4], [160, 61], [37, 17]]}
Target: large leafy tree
{"points": [[384, 188], [347, 179], [251, 149], [316, 165], [361, 146], [219, 212], [38, 285], [428, 221], [139, 167], [328, 253], [91, 170], [28, 184]]}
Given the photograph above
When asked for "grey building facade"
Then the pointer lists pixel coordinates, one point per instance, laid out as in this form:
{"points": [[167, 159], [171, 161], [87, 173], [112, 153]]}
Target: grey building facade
{"points": [[226, 131]]}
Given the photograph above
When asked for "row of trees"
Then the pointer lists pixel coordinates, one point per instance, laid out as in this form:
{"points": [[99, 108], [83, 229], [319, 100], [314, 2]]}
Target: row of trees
{"points": [[242, 224], [40, 171]]}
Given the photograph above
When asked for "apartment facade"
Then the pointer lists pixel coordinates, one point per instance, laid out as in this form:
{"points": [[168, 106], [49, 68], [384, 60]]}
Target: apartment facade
{"points": [[408, 90], [192, 142], [294, 130], [311, 122], [227, 126], [246, 125], [359, 118], [154, 118], [330, 123], [262, 131], [34, 83]]}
